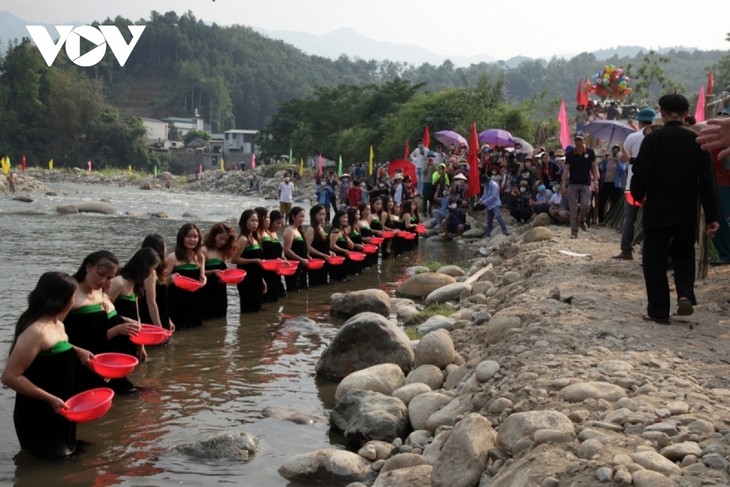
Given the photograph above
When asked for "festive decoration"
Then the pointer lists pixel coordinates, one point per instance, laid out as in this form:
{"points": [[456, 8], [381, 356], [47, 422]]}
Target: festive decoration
{"points": [[609, 83]]}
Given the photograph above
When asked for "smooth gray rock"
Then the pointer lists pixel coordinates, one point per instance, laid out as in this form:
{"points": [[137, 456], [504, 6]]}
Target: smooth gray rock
{"points": [[421, 285], [228, 445], [328, 464], [450, 292], [463, 456], [364, 415], [366, 300], [435, 322], [409, 391], [418, 476], [436, 348], [592, 390], [428, 374], [537, 234], [383, 378], [522, 425]]}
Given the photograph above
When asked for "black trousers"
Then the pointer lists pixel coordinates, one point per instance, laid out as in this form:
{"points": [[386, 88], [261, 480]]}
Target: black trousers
{"points": [[660, 244]]}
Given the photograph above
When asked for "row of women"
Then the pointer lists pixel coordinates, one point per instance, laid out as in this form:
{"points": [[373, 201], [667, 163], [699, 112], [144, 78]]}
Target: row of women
{"points": [[69, 319]]}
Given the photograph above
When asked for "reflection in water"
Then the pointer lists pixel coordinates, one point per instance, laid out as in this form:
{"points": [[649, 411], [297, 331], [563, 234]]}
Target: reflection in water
{"points": [[218, 377]]}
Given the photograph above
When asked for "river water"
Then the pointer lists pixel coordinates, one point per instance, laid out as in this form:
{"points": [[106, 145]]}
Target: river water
{"points": [[218, 377]]}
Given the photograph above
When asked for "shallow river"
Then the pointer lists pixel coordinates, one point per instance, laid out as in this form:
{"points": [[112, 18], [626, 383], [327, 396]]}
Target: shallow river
{"points": [[218, 377]]}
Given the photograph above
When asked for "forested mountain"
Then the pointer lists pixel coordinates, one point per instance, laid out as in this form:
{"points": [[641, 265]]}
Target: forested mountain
{"points": [[238, 78]]}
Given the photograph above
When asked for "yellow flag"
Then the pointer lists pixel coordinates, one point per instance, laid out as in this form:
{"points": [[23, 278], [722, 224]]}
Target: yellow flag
{"points": [[129, 169], [6, 165], [50, 164], [370, 165], [301, 166], [223, 165]]}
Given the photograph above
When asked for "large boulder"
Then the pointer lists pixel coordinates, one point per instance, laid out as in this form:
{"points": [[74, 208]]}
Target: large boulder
{"points": [[451, 270], [449, 292], [228, 445], [421, 285], [519, 426], [383, 378], [463, 457], [537, 234], [418, 476], [326, 465], [365, 415], [423, 406], [365, 340], [354, 302], [95, 207], [436, 348], [436, 322]]}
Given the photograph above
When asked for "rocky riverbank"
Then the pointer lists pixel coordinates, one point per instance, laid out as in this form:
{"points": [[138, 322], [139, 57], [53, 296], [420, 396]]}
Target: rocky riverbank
{"points": [[544, 375]]}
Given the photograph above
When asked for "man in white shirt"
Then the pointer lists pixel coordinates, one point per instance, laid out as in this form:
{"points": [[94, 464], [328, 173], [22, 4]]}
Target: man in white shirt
{"points": [[418, 158], [286, 193], [632, 144]]}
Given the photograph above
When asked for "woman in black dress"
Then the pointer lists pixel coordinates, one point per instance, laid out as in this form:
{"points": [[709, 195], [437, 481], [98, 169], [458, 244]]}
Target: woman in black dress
{"points": [[253, 287], [269, 238], [353, 218], [186, 307], [318, 244], [340, 244], [295, 249], [219, 246], [363, 226], [41, 369], [153, 309]]}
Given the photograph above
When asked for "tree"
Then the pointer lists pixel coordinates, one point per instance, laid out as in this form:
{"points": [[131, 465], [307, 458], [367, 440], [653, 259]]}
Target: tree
{"points": [[195, 134], [649, 80]]}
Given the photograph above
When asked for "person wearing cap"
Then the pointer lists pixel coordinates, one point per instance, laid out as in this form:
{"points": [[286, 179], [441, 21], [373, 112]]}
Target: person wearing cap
{"points": [[397, 188], [671, 171], [440, 182], [344, 188], [580, 166], [459, 189], [418, 158], [632, 144]]}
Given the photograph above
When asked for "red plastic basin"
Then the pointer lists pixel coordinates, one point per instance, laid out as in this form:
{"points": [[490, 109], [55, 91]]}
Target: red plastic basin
{"points": [[369, 248], [336, 260], [376, 240], [88, 405], [186, 283], [387, 234], [114, 365], [420, 229], [151, 335], [407, 235], [232, 276], [315, 264], [288, 268], [271, 264], [356, 256]]}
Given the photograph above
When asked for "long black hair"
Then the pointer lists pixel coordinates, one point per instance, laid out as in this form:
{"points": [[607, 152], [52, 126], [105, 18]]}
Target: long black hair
{"points": [[242, 224], [139, 267], [313, 216], [98, 258], [156, 242], [51, 296]]}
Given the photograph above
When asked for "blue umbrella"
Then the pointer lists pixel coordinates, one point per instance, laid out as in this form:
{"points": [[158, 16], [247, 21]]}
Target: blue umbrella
{"points": [[608, 130]]}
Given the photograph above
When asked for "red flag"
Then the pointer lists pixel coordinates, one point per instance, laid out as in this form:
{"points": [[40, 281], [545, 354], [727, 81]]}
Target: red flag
{"points": [[564, 125], [581, 98], [475, 188], [700, 110], [710, 84], [426, 137], [407, 153], [22, 163]]}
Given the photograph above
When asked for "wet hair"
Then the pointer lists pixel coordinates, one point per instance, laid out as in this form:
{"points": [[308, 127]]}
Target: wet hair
{"points": [[351, 216], [406, 207], [98, 258], [156, 242], [242, 227], [138, 268], [313, 216], [275, 215], [180, 251], [261, 212], [336, 219], [210, 239], [362, 207], [372, 205], [51, 295], [293, 213]]}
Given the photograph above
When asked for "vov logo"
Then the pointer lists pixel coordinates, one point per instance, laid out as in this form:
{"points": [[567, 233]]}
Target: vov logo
{"points": [[71, 36]]}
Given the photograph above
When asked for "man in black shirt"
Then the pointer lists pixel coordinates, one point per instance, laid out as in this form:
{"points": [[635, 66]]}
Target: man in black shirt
{"points": [[671, 171], [580, 165]]}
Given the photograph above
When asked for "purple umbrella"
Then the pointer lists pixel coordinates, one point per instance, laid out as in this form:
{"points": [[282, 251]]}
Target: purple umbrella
{"points": [[610, 130], [448, 137], [495, 137]]}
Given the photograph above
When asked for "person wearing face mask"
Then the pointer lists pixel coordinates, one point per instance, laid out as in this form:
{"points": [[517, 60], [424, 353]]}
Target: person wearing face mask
{"points": [[540, 202], [519, 202], [493, 204], [580, 165], [286, 194]]}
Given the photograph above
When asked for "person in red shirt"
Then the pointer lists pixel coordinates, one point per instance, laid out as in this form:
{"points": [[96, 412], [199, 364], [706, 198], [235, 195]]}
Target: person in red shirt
{"points": [[354, 195]]}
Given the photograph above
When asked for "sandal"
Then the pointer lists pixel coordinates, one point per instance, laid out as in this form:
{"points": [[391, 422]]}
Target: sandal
{"points": [[684, 307], [660, 321]]}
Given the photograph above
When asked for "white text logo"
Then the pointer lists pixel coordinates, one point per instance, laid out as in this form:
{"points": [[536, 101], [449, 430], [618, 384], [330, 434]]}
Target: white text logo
{"points": [[99, 37]]}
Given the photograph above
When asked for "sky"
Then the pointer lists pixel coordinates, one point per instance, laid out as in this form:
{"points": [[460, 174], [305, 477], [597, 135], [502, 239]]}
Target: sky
{"points": [[501, 29]]}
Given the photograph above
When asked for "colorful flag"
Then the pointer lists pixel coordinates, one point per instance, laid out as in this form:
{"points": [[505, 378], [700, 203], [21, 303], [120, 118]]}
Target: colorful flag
{"points": [[320, 165], [301, 166], [223, 165], [154, 170], [5, 165], [22, 163], [426, 137], [564, 125], [710, 84], [473, 159], [50, 164], [253, 161], [370, 163], [200, 171], [339, 166], [407, 153], [700, 110], [88, 165], [129, 169], [290, 156], [580, 96]]}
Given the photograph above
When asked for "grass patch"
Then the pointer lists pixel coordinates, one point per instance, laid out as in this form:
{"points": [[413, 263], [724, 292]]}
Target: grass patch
{"points": [[270, 171], [428, 311], [412, 333], [432, 265]]}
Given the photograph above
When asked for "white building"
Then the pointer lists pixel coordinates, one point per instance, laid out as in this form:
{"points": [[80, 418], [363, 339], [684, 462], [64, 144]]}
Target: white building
{"points": [[185, 125], [157, 130], [237, 141]]}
